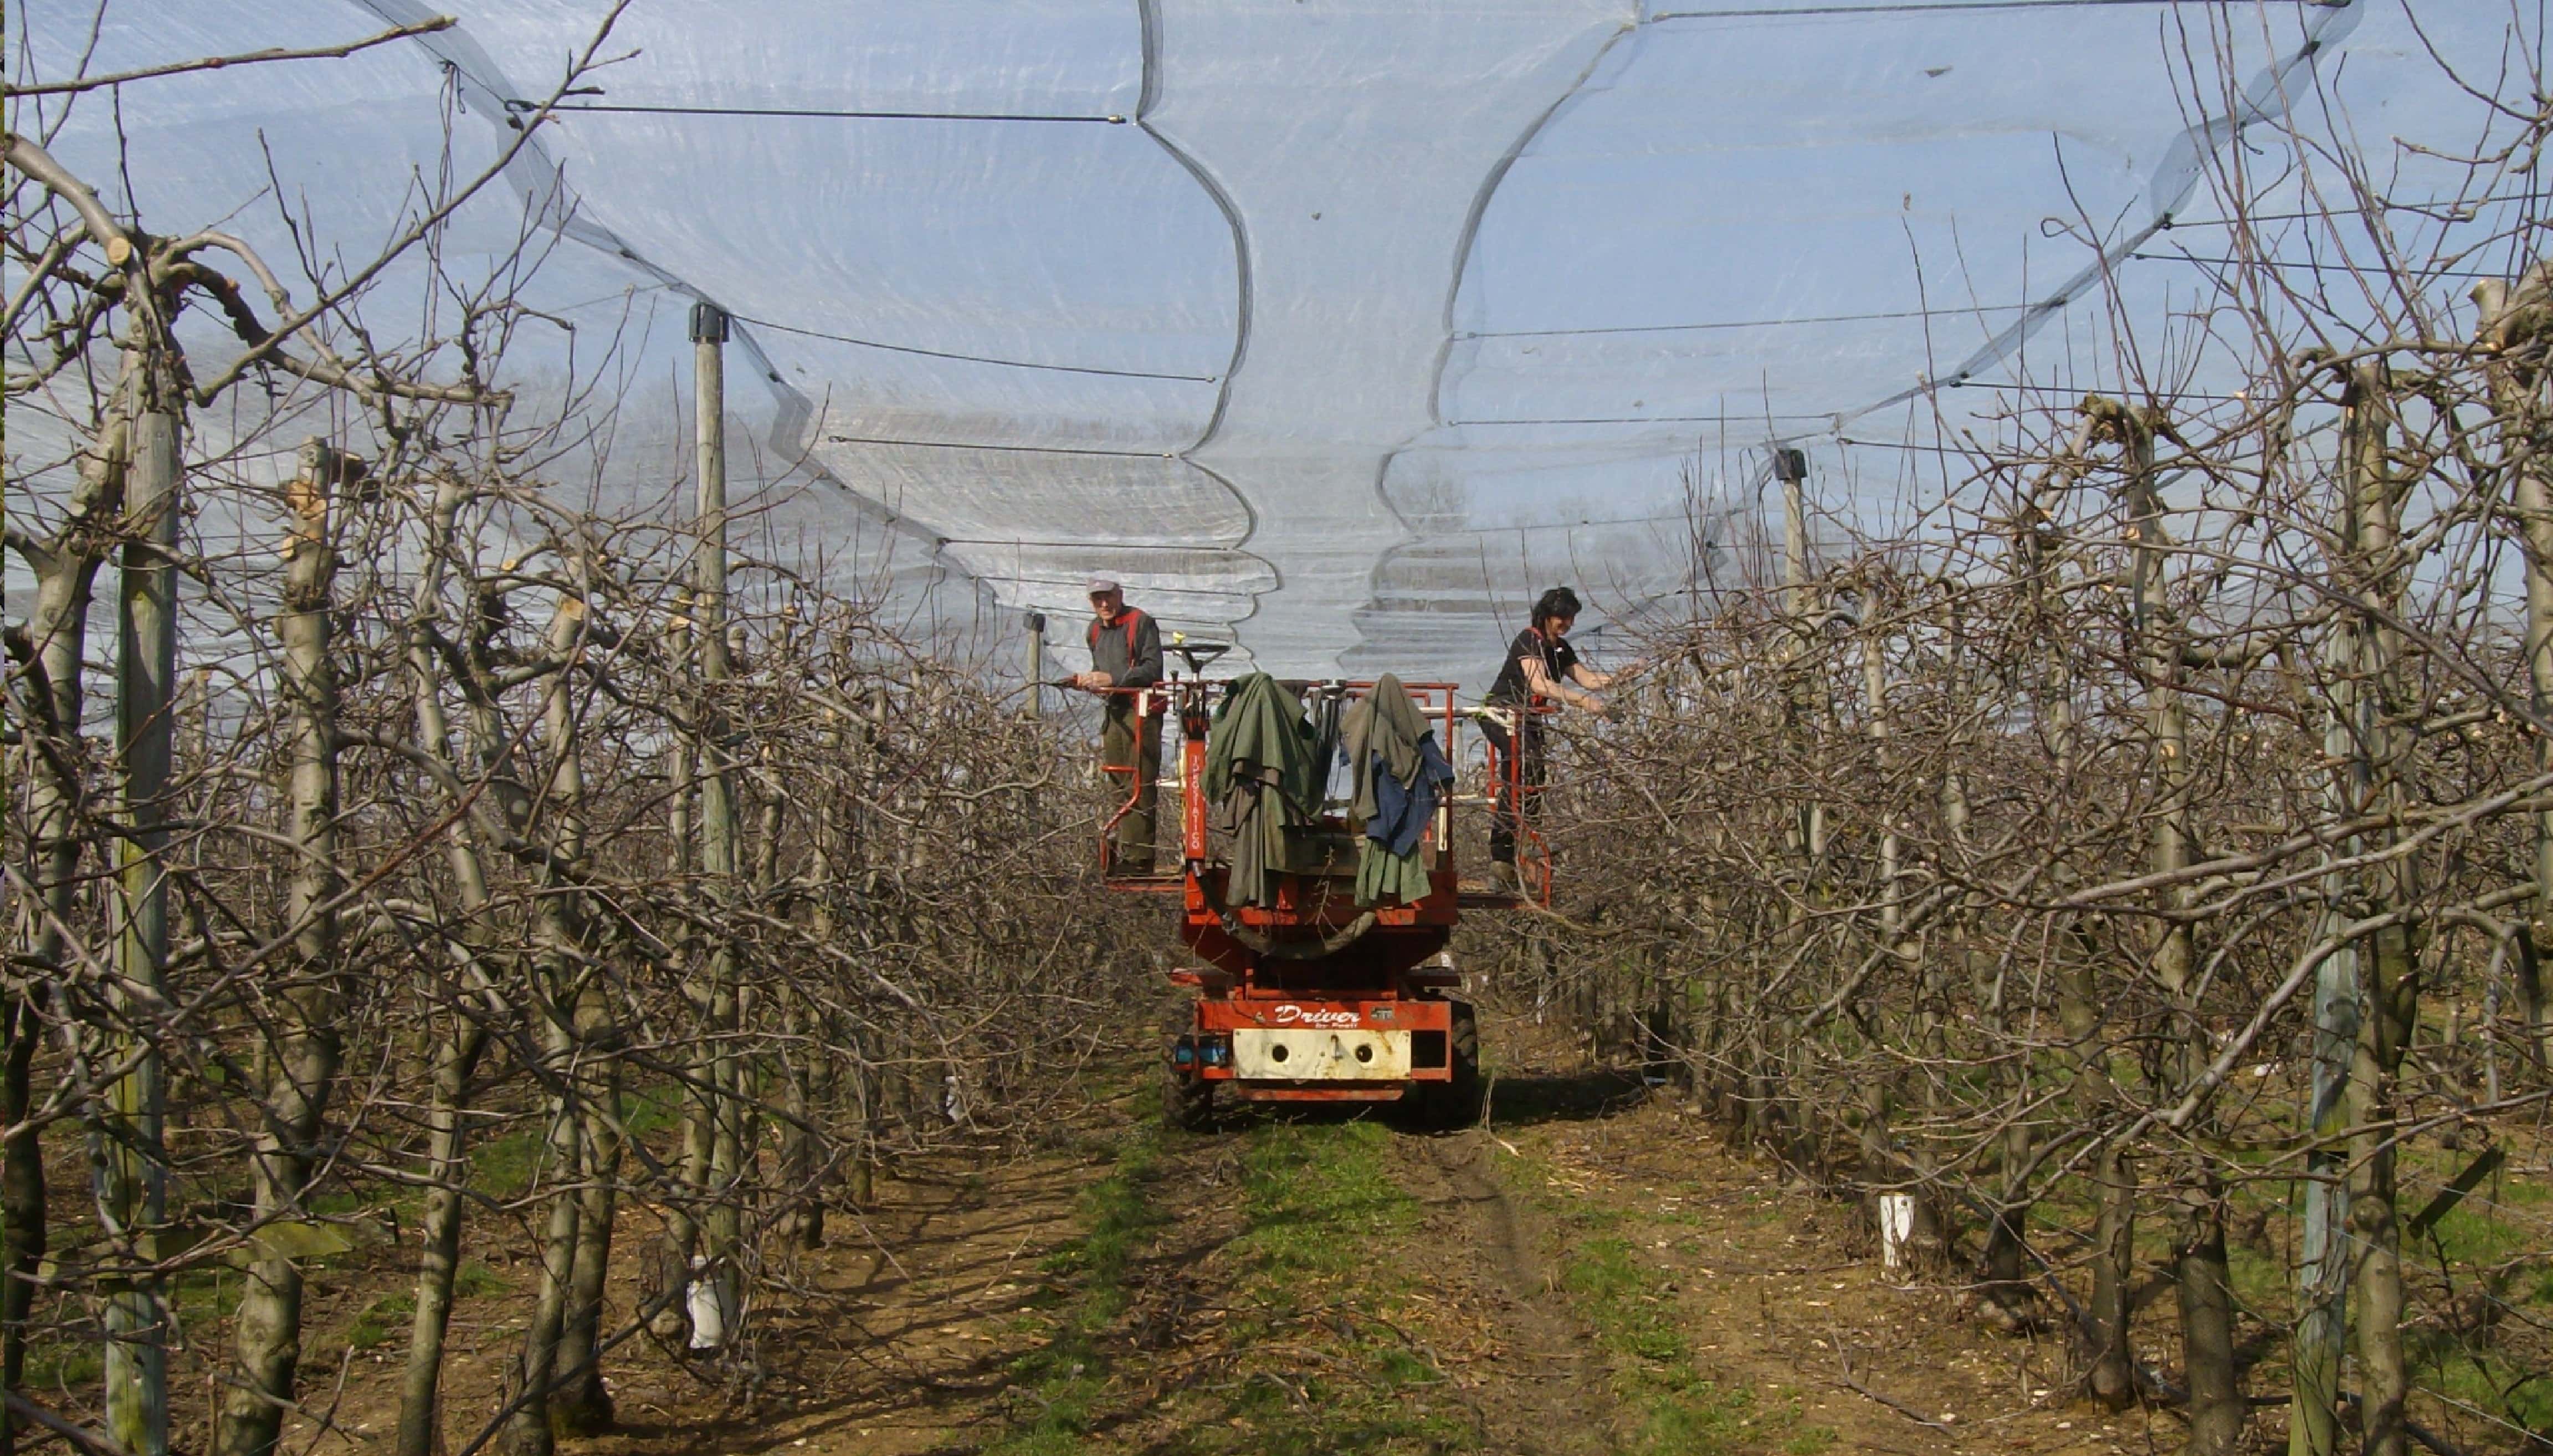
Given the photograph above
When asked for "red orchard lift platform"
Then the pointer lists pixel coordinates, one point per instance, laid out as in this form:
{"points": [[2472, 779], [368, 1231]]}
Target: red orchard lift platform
{"points": [[1312, 997]]}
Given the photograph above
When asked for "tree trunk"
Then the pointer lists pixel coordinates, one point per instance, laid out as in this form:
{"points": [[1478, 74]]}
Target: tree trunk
{"points": [[2388, 975], [672, 1319], [583, 1405], [529, 1433], [559, 937], [2375, 1262], [800, 1150], [2218, 1412], [22, 1201], [457, 1057], [812, 1067], [2110, 1375], [690, 1205], [2529, 968], [302, 1061], [2518, 394], [2388, 967], [55, 642], [2038, 567], [2112, 1378], [438, 1261], [2003, 1269]]}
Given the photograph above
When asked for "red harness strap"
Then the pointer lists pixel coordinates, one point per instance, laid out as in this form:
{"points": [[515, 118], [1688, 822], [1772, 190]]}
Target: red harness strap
{"points": [[1132, 619]]}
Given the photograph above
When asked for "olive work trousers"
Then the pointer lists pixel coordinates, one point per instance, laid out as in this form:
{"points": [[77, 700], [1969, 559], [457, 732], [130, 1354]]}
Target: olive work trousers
{"points": [[1121, 736]]}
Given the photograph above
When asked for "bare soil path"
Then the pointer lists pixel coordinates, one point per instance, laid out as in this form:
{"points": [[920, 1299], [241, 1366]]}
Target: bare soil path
{"points": [[1544, 1392]]}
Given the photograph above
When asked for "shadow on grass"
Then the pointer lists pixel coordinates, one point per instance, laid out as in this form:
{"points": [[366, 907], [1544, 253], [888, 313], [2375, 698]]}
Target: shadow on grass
{"points": [[1526, 1098], [1515, 1100]]}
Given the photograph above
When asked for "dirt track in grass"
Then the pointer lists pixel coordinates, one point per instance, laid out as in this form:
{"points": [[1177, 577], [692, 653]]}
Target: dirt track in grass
{"points": [[1591, 1271], [1727, 1312]]}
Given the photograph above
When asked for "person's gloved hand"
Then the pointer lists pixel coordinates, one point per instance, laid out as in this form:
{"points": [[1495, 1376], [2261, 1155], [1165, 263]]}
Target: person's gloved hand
{"points": [[1094, 681]]}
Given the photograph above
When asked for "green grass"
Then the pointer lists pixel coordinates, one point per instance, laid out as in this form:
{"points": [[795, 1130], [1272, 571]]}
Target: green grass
{"points": [[380, 1321], [651, 1107], [1678, 1411], [1675, 1408], [1630, 1318], [57, 1365], [1316, 1200], [1061, 1384], [501, 1168], [2508, 1389], [2262, 1282], [388, 1318], [202, 1297], [2497, 1227], [1317, 1263]]}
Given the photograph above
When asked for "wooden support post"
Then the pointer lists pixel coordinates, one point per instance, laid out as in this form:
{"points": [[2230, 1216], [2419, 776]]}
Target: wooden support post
{"points": [[678, 754], [1879, 1163], [709, 587], [1874, 691], [2322, 1275]]}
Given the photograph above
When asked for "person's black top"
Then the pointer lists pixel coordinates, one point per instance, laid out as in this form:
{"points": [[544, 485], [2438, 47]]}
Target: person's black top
{"points": [[1558, 658]]}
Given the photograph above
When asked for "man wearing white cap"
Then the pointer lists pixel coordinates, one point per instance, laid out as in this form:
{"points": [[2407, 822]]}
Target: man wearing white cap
{"points": [[1126, 656]]}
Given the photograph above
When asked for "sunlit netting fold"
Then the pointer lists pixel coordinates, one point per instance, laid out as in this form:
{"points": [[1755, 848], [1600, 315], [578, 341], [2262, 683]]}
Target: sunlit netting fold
{"points": [[1341, 327]]}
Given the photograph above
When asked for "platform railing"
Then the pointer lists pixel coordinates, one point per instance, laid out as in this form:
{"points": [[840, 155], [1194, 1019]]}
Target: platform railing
{"points": [[1191, 700]]}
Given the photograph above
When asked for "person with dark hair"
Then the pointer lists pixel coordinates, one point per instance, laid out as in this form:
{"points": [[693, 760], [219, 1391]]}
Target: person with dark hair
{"points": [[1541, 669]]}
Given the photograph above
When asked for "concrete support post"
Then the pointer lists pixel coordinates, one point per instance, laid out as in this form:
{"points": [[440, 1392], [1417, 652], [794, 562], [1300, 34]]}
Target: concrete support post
{"points": [[718, 820], [1037, 665], [135, 1185]]}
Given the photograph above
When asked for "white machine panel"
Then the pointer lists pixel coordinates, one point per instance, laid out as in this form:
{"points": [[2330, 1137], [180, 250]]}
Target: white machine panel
{"points": [[1305, 1055]]}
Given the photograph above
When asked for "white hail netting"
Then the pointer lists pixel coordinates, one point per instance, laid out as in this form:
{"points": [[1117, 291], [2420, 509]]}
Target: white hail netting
{"points": [[1338, 326]]}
